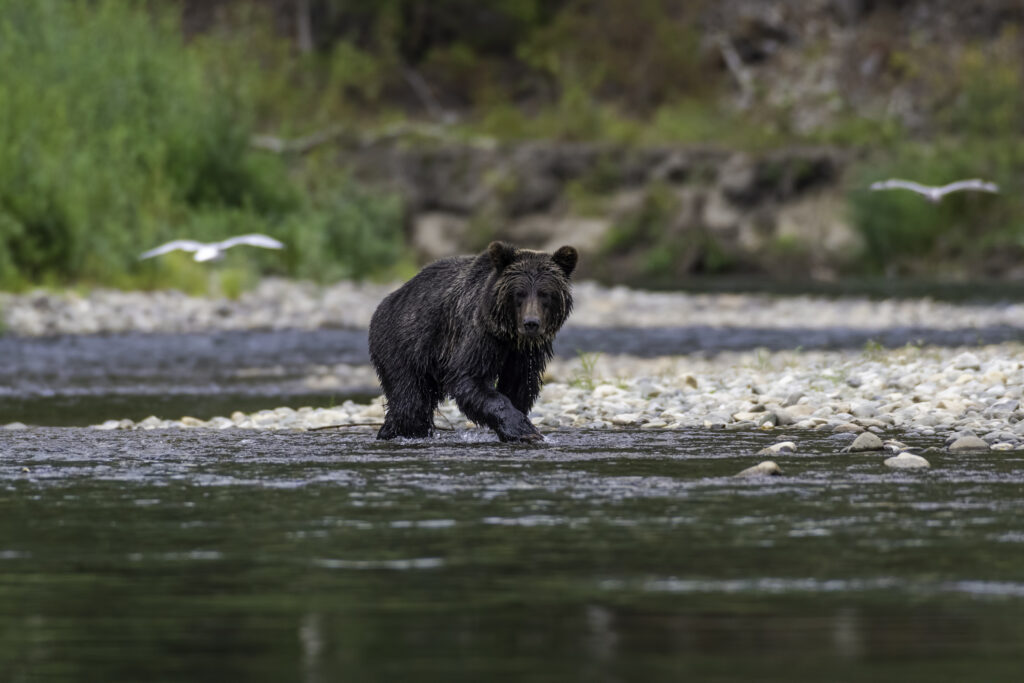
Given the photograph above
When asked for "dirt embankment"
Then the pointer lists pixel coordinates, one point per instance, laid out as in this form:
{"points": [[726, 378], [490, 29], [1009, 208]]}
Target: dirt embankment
{"points": [[705, 209]]}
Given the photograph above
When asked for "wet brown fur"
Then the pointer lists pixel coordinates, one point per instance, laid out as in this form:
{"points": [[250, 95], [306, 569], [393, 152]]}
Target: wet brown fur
{"points": [[479, 329]]}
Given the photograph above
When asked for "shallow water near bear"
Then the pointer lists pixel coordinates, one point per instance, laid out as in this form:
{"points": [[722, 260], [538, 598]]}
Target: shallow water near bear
{"points": [[608, 555]]}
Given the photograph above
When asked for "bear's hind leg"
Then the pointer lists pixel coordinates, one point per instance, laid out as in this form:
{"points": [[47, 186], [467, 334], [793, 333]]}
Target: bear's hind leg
{"points": [[410, 411]]}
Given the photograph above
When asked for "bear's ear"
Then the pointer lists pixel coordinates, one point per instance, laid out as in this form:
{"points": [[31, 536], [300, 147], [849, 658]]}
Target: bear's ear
{"points": [[501, 255], [565, 258]]}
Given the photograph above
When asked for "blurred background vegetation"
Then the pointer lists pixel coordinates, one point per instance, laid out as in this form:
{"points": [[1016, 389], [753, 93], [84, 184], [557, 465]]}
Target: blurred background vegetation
{"points": [[126, 123]]}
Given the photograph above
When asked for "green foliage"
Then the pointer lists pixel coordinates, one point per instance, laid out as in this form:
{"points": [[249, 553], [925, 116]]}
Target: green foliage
{"points": [[583, 201], [231, 282], [349, 234], [288, 91], [586, 377], [692, 120], [648, 224], [643, 52], [873, 350], [116, 136], [990, 90], [978, 135], [107, 132], [902, 228], [575, 115]]}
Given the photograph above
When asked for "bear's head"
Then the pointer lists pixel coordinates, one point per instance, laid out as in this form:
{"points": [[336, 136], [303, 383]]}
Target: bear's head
{"points": [[532, 296]]}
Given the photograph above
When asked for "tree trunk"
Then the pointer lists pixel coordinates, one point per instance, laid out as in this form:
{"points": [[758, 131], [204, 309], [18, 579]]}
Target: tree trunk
{"points": [[304, 26]]}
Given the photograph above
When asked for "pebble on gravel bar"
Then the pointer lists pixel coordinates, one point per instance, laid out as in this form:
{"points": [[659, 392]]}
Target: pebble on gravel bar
{"points": [[865, 442], [781, 447], [907, 461], [848, 428], [968, 443], [768, 468]]}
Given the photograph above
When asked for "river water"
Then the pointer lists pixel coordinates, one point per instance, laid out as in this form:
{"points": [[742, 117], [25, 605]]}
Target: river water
{"points": [[598, 556]]}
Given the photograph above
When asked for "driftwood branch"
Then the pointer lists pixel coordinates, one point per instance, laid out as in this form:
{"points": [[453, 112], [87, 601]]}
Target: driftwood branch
{"points": [[426, 95], [437, 413], [368, 424], [307, 143], [350, 424], [739, 71], [304, 26], [302, 145]]}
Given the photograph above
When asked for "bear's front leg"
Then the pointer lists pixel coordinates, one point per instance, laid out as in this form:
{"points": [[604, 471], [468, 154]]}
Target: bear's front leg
{"points": [[519, 378], [485, 405]]}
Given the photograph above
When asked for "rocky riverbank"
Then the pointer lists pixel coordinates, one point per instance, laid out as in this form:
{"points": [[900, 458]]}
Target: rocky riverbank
{"points": [[710, 209], [926, 392], [284, 304]]}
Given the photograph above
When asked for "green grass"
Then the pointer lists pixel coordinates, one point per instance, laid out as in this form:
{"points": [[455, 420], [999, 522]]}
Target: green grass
{"points": [[586, 377]]}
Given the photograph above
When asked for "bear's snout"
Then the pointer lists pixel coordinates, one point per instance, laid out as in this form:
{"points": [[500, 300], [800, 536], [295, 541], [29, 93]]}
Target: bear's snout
{"points": [[530, 318]]}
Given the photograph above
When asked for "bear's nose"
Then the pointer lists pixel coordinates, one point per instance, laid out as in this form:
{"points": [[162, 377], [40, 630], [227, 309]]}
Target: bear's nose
{"points": [[531, 324]]}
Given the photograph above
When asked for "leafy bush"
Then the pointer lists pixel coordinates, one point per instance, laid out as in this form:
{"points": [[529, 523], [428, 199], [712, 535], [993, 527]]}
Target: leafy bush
{"points": [[902, 228], [643, 52], [116, 136], [351, 234], [979, 136], [108, 132]]}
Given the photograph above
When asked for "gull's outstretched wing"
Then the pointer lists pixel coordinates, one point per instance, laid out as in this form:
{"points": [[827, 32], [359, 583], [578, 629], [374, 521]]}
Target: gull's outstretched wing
{"points": [[899, 184], [976, 184], [183, 245], [253, 240]]}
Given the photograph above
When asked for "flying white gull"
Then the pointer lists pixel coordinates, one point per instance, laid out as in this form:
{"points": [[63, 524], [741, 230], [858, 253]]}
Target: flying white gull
{"points": [[935, 193], [213, 250]]}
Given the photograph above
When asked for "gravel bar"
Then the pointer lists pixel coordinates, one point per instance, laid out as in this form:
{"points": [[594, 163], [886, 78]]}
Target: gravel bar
{"points": [[285, 304], [951, 392], [960, 391]]}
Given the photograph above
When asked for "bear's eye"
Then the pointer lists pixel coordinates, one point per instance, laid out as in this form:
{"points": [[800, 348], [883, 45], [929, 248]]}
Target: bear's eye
{"points": [[543, 296], [520, 296]]}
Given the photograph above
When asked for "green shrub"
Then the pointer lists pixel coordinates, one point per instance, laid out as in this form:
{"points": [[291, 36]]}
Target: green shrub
{"points": [[353, 234], [643, 52], [116, 136], [286, 91], [988, 88], [976, 135], [108, 131], [901, 227]]}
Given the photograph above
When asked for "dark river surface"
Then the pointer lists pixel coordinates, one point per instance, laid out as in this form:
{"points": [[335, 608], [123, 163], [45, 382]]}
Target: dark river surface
{"points": [[598, 556]]}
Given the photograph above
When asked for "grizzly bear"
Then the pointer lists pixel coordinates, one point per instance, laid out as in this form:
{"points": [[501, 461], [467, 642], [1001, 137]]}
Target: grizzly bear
{"points": [[476, 328]]}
